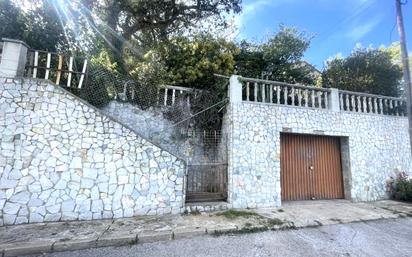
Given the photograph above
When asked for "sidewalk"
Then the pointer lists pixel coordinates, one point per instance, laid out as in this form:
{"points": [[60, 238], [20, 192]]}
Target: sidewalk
{"points": [[66, 236]]}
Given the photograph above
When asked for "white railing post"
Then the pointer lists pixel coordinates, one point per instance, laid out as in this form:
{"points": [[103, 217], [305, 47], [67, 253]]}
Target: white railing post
{"points": [[333, 100], [13, 58], [235, 89]]}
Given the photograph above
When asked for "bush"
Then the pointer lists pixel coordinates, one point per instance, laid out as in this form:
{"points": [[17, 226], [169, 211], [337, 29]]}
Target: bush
{"points": [[401, 187]]}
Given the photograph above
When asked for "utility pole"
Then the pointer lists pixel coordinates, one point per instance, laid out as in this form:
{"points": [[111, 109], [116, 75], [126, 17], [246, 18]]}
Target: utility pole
{"points": [[405, 62]]}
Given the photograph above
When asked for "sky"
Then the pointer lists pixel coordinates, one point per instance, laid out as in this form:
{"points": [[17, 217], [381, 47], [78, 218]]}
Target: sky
{"points": [[337, 25]]}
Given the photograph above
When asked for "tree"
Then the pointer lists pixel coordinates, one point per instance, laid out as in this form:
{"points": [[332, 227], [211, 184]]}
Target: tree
{"points": [[39, 26], [394, 51], [280, 57], [194, 61], [365, 70], [159, 18], [150, 22], [12, 20]]}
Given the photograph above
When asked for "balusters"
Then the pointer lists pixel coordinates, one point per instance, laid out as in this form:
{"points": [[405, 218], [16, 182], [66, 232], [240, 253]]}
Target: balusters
{"points": [[380, 106], [396, 108], [387, 106], [255, 92], [370, 104], [319, 99], [59, 69], [247, 91], [278, 94], [357, 103], [84, 72], [36, 63], [173, 96], [296, 95], [347, 102], [285, 95], [46, 76], [271, 94], [312, 96], [263, 88], [353, 103], [69, 77], [364, 106], [299, 93], [165, 98], [306, 97]]}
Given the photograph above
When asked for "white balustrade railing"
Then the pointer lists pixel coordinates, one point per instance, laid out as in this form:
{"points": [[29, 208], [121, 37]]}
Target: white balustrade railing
{"points": [[368, 103], [273, 92], [266, 91], [171, 95]]}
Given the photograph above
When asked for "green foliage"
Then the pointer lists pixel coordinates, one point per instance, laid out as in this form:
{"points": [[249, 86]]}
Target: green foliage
{"points": [[158, 19], [192, 62], [280, 58], [404, 190], [103, 59], [233, 214], [365, 70], [12, 20], [401, 187], [153, 22], [182, 61], [39, 27], [148, 70]]}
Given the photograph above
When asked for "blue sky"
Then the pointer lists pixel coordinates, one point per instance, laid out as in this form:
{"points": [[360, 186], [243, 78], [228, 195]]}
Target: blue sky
{"points": [[337, 24]]}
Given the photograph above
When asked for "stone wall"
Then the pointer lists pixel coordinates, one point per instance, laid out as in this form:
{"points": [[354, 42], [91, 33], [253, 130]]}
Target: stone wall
{"points": [[61, 159], [377, 147]]}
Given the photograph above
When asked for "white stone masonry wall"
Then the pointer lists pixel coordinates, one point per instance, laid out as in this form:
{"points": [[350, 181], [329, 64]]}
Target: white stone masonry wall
{"points": [[61, 159], [378, 148]]}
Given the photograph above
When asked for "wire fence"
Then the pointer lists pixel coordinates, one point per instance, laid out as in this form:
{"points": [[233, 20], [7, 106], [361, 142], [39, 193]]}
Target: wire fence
{"points": [[184, 121]]}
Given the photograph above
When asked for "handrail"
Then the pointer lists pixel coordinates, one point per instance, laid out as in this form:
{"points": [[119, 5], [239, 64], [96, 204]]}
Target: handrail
{"points": [[188, 89], [275, 92], [371, 95], [272, 82]]}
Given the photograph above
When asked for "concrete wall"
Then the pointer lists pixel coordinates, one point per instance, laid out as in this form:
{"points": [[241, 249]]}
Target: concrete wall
{"points": [[61, 159], [374, 148]]}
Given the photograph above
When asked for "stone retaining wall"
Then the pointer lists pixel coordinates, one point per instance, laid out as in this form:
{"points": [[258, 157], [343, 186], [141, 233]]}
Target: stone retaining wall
{"points": [[374, 147], [61, 159]]}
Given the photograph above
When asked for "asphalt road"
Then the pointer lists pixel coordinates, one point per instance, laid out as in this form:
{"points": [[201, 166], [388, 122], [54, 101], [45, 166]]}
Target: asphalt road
{"points": [[378, 238]]}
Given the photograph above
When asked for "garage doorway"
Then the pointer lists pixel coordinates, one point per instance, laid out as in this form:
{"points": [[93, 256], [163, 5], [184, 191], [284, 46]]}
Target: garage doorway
{"points": [[311, 167]]}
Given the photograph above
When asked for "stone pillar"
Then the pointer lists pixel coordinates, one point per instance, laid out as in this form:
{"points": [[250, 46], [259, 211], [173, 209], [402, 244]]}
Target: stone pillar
{"points": [[13, 58], [235, 90], [334, 100]]}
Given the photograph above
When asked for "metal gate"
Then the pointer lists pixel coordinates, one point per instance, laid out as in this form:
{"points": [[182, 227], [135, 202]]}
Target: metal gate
{"points": [[310, 167], [207, 167]]}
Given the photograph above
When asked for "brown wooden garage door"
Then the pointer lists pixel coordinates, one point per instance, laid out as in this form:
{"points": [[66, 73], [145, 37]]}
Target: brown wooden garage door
{"points": [[310, 167]]}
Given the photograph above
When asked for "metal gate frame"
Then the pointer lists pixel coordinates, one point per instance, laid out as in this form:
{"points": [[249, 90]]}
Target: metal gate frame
{"points": [[207, 168]]}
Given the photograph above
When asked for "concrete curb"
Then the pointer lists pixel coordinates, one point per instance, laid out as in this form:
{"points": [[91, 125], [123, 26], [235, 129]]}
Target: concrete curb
{"points": [[120, 239], [26, 249]]}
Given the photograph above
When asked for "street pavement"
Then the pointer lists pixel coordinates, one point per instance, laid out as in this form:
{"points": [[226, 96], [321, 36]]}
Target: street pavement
{"points": [[389, 237]]}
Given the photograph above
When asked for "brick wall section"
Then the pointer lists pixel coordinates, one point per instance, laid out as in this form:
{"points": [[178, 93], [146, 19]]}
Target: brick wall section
{"points": [[61, 159]]}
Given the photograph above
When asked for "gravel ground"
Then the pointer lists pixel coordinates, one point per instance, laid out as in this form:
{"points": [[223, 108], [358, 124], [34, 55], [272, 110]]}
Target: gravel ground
{"points": [[378, 238]]}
